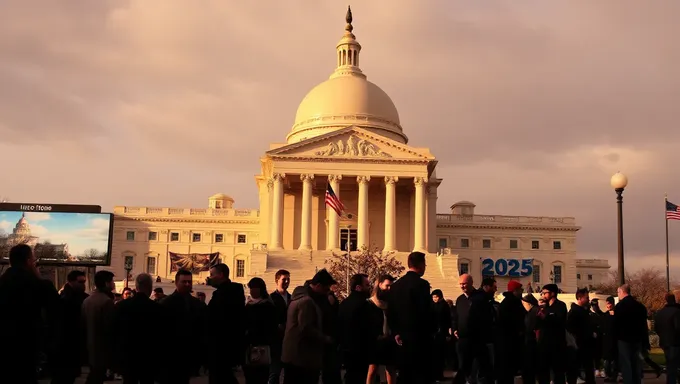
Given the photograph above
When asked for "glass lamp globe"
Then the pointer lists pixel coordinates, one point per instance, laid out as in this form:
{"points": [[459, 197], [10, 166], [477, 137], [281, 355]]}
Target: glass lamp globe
{"points": [[619, 181]]}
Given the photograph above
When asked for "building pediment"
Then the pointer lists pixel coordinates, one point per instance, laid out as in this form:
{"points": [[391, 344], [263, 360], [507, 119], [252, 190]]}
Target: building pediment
{"points": [[352, 143]]}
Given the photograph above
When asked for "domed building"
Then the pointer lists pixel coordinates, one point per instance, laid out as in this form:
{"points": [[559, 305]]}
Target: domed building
{"points": [[21, 234], [347, 141]]}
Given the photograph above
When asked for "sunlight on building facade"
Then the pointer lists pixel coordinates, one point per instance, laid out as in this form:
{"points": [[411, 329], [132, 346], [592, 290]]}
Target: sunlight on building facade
{"points": [[347, 134]]}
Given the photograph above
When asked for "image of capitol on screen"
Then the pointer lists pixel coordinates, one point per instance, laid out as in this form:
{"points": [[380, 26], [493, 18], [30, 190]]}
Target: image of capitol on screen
{"points": [[58, 237]]}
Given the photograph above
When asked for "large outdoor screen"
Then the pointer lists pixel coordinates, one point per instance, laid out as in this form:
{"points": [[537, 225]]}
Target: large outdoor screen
{"points": [[61, 238]]}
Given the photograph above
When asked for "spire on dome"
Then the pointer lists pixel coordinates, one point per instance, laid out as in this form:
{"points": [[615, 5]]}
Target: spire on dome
{"points": [[348, 49], [348, 19]]}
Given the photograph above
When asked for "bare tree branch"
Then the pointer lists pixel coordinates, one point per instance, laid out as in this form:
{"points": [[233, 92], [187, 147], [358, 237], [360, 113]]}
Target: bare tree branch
{"points": [[370, 262], [647, 285]]}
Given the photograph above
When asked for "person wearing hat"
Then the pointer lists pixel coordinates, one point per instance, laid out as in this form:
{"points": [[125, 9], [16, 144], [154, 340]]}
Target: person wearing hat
{"points": [[551, 344], [158, 294], [304, 341], [511, 314]]}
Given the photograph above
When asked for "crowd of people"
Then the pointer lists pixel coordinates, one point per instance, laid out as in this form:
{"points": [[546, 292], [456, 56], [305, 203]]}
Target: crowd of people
{"points": [[393, 330]]}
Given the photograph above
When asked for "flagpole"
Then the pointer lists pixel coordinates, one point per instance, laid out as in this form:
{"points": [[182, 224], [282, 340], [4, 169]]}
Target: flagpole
{"points": [[668, 266]]}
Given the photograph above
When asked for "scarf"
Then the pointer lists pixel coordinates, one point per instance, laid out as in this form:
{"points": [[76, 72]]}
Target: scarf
{"points": [[382, 305]]}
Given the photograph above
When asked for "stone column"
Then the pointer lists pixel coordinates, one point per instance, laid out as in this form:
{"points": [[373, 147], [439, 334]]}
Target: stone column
{"points": [[270, 200], [362, 219], [333, 218], [390, 213], [276, 241], [432, 240], [419, 235], [306, 229]]}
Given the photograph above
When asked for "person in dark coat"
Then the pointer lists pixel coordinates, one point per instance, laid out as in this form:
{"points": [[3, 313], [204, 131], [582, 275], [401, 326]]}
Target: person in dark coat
{"points": [[442, 328], [410, 319], [609, 351], [382, 346], [451, 355], [472, 327], [261, 332], [97, 314], [70, 344], [330, 373], [551, 344], [184, 313], [23, 297], [130, 337], [226, 312], [597, 319], [486, 317], [667, 326], [529, 350], [355, 337], [580, 325], [281, 298], [630, 331], [305, 340], [511, 315]]}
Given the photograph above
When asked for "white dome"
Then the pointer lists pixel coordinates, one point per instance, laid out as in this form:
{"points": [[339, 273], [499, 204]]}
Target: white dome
{"points": [[344, 101]]}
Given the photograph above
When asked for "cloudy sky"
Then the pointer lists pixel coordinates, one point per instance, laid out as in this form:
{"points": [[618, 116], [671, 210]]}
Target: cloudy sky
{"points": [[530, 106]]}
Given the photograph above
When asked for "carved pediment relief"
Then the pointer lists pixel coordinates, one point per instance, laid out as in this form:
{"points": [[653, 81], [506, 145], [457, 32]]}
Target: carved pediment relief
{"points": [[351, 147], [352, 142]]}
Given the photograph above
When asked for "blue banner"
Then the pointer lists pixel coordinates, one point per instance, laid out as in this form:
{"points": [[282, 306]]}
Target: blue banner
{"points": [[507, 267]]}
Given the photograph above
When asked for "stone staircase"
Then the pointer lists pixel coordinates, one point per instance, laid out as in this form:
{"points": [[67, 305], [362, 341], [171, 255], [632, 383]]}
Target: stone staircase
{"points": [[442, 270]]}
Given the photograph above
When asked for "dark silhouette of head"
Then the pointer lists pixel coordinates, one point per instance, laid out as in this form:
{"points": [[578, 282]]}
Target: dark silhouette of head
{"points": [[416, 262]]}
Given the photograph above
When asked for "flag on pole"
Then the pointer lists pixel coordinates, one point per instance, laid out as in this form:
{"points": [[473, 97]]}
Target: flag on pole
{"points": [[333, 201], [672, 211]]}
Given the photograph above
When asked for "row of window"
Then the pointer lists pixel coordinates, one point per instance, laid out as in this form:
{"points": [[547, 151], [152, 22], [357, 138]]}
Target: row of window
{"points": [[152, 270], [536, 277], [578, 277], [486, 244], [195, 237]]}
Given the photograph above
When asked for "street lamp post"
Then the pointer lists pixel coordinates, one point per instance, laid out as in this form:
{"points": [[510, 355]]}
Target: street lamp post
{"points": [[619, 182]]}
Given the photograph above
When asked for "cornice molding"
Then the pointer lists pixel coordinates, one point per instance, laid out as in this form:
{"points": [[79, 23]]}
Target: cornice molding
{"points": [[188, 220], [508, 227], [375, 160], [319, 120]]}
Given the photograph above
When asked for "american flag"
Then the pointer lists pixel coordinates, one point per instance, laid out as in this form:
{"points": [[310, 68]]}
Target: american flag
{"points": [[333, 201], [672, 211]]}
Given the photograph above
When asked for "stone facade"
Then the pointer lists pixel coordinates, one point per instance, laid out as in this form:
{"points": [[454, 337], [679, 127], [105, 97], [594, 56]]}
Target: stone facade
{"points": [[463, 240], [591, 272]]}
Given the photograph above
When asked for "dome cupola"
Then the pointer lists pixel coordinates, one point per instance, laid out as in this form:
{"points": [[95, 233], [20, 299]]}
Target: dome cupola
{"points": [[346, 99]]}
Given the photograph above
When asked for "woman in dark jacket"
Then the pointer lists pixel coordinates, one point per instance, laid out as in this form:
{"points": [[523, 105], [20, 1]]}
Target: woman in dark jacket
{"points": [[260, 316], [442, 326]]}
